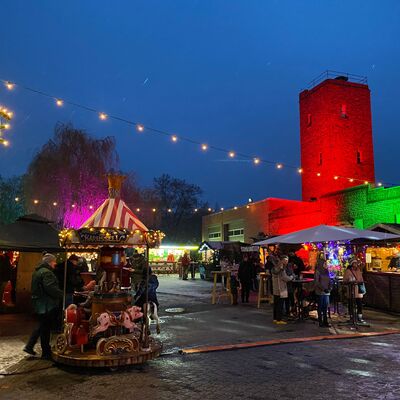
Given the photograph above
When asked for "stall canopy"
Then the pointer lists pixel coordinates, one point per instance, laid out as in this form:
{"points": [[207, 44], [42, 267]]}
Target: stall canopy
{"points": [[326, 233], [114, 213], [388, 228], [30, 233]]}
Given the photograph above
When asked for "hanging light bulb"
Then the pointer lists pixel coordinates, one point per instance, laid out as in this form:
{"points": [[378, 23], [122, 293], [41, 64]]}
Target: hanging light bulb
{"points": [[279, 166], [91, 207], [209, 209], [256, 160], [195, 210], [139, 128], [103, 116], [366, 183], [35, 201], [300, 170], [154, 210], [174, 138], [232, 154], [10, 85], [138, 210], [59, 102], [336, 177], [204, 147], [169, 210], [379, 183], [235, 208], [73, 205], [222, 208], [351, 180], [55, 204], [17, 199], [318, 173], [6, 126]]}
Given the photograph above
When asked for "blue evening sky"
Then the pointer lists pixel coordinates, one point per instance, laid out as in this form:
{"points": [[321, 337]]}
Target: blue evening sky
{"points": [[224, 72]]}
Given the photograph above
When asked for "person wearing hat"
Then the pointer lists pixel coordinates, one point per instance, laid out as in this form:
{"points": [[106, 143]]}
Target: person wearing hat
{"points": [[46, 299]]}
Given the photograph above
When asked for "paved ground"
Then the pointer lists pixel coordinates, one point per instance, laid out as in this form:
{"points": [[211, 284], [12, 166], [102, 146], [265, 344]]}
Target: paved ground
{"points": [[344, 369]]}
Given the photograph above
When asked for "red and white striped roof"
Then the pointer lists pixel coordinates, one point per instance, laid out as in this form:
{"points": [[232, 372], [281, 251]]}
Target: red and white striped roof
{"points": [[114, 213]]}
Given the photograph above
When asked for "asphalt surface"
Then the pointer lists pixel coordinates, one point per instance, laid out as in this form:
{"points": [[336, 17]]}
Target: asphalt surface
{"points": [[365, 368]]}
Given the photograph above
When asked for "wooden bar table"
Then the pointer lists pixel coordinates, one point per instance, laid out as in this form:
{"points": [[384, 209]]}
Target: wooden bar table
{"points": [[225, 291]]}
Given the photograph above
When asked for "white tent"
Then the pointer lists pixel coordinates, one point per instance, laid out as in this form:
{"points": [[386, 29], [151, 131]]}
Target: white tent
{"points": [[326, 233]]}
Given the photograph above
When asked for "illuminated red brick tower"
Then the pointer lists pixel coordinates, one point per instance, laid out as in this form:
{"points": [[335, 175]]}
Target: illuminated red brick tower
{"points": [[336, 135]]}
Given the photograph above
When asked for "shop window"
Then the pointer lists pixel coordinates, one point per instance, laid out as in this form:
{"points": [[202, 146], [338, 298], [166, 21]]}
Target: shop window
{"points": [[343, 112], [358, 157], [309, 119]]}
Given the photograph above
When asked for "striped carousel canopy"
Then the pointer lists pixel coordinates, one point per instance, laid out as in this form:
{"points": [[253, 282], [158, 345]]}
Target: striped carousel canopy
{"points": [[114, 213]]}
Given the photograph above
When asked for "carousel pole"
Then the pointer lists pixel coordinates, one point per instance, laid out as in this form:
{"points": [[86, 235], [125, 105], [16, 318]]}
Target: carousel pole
{"points": [[65, 283], [145, 330]]}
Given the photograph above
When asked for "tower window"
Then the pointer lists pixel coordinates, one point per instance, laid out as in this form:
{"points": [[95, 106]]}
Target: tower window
{"points": [[309, 119], [320, 159], [358, 157], [343, 112]]}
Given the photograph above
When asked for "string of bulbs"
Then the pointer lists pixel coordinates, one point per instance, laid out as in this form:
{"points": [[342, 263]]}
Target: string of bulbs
{"points": [[138, 210], [103, 116]]}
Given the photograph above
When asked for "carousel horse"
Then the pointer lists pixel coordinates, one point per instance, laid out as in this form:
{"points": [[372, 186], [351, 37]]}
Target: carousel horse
{"points": [[152, 314], [104, 321]]}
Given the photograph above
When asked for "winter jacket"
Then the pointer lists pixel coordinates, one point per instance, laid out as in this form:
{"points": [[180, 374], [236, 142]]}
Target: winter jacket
{"points": [[140, 296], [354, 275], [279, 281], [245, 272], [46, 294], [5, 268], [322, 281], [74, 280]]}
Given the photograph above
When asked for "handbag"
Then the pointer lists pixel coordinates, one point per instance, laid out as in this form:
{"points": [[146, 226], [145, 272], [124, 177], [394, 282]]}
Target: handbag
{"points": [[361, 285]]}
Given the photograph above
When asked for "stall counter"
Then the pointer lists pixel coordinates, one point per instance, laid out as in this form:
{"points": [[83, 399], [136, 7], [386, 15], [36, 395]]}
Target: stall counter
{"points": [[383, 290]]}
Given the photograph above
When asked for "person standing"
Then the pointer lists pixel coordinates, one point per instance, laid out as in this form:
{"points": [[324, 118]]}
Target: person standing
{"points": [[280, 289], [323, 287], [353, 276], [245, 275], [46, 299], [5, 274], [185, 263]]}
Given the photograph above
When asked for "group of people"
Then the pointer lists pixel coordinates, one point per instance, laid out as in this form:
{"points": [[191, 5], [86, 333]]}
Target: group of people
{"points": [[283, 270], [47, 291]]}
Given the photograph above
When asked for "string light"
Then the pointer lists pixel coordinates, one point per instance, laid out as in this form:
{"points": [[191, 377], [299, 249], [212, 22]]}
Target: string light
{"points": [[336, 177], [35, 201], [235, 208], [351, 180], [379, 183], [209, 209], [195, 210], [222, 208], [103, 116], [17, 199], [6, 126], [10, 85], [318, 173], [90, 207], [169, 210], [73, 205], [366, 183], [4, 142], [138, 210], [154, 210], [55, 204]]}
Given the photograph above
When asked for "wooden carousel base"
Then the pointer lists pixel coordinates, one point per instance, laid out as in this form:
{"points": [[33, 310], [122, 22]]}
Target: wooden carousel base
{"points": [[90, 358]]}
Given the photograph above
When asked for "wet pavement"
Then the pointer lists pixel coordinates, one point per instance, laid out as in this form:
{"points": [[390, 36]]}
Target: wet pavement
{"points": [[345, 369]]}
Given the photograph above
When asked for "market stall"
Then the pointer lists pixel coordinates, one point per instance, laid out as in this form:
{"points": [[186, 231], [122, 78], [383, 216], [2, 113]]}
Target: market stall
{"points": [[110, 334], [26, 239], [165, 259], [339, 245]]}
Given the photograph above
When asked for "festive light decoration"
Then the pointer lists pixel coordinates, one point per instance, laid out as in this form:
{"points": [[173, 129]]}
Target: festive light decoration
{"points": [[9, 85], [5, 117], [140, 128]]}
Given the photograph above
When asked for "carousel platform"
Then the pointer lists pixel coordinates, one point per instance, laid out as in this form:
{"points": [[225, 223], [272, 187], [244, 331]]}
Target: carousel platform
{"points": [[118, 358]]}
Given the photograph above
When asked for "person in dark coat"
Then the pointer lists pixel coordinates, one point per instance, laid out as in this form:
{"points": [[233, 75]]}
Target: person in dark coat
{"points": [[245, 275], [74, 282], [5, 274], [297, 263], [46, 299], [140, 296]]}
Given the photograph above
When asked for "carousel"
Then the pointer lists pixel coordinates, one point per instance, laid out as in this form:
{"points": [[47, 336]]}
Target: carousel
{"points": [[112, 332]]}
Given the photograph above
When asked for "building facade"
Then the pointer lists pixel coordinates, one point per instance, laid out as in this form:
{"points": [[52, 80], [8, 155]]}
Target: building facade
{"points": [[338, 175]]}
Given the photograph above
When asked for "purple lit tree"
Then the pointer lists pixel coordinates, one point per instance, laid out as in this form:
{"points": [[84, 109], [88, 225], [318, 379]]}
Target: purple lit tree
{"points": [[67, 176]]}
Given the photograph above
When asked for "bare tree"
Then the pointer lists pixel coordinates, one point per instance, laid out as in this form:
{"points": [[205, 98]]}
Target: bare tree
{"points": [[67, 176], [11, 204]]}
